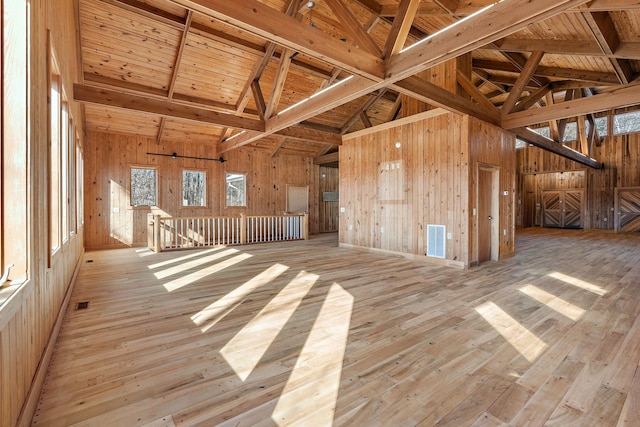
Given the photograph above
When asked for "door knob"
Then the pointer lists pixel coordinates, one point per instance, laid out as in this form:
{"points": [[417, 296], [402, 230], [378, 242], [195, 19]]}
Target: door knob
{"points": [[489, 217]]}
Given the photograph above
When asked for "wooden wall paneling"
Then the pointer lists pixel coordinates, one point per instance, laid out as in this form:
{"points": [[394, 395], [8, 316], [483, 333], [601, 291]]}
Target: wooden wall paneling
{"points": [[28, 317]]}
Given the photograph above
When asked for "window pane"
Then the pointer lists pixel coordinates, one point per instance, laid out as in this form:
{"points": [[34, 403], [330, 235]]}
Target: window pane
{"points": [[64, 169], [54, 178], [544, 131], [143, 187], [236, 190], [520, 143], [601, 126], [193, 188], [570, 132], [626, 123]]}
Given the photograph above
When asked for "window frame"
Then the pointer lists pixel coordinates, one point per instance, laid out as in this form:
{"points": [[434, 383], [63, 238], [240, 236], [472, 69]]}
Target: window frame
{"points": [[626, 113], [157, 187]]}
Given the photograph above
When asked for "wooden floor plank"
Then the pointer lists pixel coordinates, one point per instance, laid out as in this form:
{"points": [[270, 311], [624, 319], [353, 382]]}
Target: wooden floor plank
{"points": [[548, 337]]}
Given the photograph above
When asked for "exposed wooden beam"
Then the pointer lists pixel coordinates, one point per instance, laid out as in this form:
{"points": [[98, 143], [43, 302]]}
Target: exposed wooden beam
{"points": [[435, 95], [545, 143], [473, 33], [279, 141], [313, 135], [475, 93], [365, 119], [350, 23], [625, 50], [272, 25], [278, 84], [597, 77], [606, 5], [527, 71], [449, 6], [400, 28], [146, 10], [371, 99], [532, 99], [616, 98], [259, 98], [607, 38], [110, 98], [520, 61], [327, 158]]}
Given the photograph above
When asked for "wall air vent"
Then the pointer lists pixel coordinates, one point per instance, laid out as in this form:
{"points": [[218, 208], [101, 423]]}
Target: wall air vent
{"points": [[436, 240]]}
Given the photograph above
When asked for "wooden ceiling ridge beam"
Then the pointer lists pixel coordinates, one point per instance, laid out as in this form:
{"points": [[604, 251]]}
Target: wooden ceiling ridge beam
{"points": [[609, 5], [623, 96], [624, 50], [351, 24], [165, 108], [547, 144], [527, 72], [272, 25]]}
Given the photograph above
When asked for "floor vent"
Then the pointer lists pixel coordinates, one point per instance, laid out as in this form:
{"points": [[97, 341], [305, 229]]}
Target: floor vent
{"points": [[436, 241], [82, 305]]}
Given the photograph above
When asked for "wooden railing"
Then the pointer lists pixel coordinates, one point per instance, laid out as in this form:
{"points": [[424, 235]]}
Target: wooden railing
{"points": [[167, 233]]}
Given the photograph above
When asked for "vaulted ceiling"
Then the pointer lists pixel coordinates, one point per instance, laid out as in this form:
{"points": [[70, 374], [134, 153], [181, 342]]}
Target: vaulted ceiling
{"points": [[291, 76]]}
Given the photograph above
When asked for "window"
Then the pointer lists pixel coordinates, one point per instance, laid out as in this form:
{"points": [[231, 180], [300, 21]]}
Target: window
{"points": [[54, 163], [626, 123], [194, 188], [79, 185], [71, 202], [236, 189], [544, 131], [144, 187], [64, 169], [570, 132], [520, 143], [602, 125]]}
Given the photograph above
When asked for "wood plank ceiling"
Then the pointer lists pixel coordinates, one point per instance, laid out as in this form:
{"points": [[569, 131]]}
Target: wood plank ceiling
{"points": [[253, 72]]}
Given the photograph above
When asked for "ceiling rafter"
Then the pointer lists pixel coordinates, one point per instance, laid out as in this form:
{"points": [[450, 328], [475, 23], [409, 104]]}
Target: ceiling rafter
{"points": [[525, 75], [175, 69], [351, 24], [475, 93], [368, 103], [400, 28], [607, 38]]}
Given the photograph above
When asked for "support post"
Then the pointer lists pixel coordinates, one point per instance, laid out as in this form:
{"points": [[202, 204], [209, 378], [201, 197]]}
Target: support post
{"points": [[243, 229], [305, 226], [157, 247]]}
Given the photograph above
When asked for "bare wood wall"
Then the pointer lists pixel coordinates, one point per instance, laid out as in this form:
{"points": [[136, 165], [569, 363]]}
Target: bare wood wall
{"points": [[491, 145], [111, 221], [621, 157], [328, 217], [390, 194], [28, 319]]}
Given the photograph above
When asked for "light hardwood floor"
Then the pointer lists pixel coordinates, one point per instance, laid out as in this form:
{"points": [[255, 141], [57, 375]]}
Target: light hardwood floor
{"points": [[309, 334]]}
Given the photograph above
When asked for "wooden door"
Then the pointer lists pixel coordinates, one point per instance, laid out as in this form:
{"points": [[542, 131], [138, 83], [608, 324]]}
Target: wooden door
{"points": [[552, 209], [627, 209], [562, 208], [485, 211], [572, 209]]}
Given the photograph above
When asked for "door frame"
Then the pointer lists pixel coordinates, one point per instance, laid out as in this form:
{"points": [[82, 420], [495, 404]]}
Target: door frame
{"points": [[495, 210]]}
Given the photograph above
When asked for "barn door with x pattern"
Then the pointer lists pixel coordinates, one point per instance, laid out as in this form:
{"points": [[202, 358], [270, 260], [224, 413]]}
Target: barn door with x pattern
{"points": [[562, 208]]}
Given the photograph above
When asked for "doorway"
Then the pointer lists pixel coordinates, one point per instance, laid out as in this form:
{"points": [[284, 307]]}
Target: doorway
{"points": [[488, 213]]}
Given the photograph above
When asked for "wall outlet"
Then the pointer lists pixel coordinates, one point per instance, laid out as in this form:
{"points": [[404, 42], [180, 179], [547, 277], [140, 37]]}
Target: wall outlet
{"points": [[474, 211], [448, 236], [342, 210], [350, 227], [504, 231]]}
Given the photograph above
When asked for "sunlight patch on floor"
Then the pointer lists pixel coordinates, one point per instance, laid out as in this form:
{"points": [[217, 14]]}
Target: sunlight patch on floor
{"points": [[193, 264], [197, 275], [246, 348], [527, 344], [563, 307], [213, 313], [578, 283], [310, 396], [193, 254]]}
